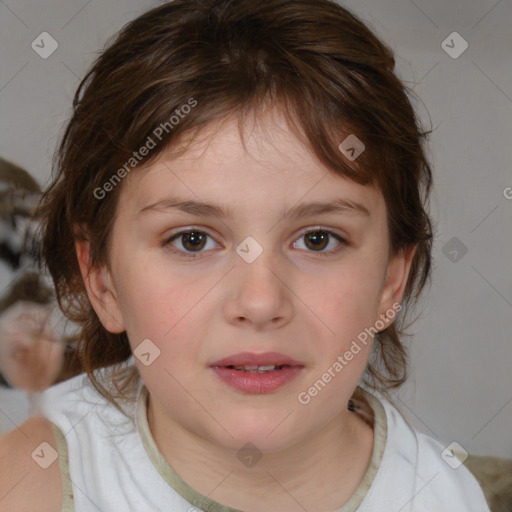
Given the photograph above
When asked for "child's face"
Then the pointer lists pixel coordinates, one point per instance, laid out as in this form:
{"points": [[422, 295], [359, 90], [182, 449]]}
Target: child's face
{"points": [[308, 305]]}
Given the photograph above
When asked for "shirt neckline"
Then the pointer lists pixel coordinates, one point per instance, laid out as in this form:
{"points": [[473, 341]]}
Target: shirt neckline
{"points": [[202, 502]]}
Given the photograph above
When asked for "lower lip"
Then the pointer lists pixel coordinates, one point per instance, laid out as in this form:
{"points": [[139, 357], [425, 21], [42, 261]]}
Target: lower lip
{"points": [[256, 383]]}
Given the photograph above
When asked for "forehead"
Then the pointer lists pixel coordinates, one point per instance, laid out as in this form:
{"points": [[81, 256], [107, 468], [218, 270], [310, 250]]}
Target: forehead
{"points": [[271, 166]]}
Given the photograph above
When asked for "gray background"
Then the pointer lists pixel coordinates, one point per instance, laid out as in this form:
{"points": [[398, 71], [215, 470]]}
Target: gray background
{"points": [[460, 386]]}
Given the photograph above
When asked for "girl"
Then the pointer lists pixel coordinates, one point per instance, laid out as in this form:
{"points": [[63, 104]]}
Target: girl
{"points": [[238, 222]]}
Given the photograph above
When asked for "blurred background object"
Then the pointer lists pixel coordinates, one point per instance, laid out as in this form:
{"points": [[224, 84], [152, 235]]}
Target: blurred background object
{"points": [[494, 475], [37, 343], [19, 194], [31, 353]]}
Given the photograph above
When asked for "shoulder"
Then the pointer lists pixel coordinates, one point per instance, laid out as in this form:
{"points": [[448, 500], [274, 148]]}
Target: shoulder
{"points": [[29, 468], [429, 477], [451, 479]]}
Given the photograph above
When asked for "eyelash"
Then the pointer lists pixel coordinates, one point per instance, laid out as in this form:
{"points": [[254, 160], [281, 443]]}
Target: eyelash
{"points": [[191, 255]]}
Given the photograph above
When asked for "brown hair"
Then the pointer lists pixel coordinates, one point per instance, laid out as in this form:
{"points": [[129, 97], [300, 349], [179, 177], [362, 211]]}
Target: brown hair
{"points": [[327, 70]]}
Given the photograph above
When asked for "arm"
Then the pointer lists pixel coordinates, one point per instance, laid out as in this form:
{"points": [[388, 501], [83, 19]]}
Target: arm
{"points": [[25, 485]]}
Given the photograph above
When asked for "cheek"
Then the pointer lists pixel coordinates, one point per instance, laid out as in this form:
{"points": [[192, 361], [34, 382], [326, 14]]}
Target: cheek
{"points": [[147, 296], [347, 305], [347, 302], [167, 308]]}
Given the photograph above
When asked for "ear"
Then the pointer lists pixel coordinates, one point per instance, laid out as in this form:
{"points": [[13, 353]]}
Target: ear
{"points": [[100, 289], [396, 278]]}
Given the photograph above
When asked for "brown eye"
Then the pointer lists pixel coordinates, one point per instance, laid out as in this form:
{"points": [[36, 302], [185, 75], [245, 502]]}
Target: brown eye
{"points": [[321, 241], [193, 240], [189, 244], [317, 240]]}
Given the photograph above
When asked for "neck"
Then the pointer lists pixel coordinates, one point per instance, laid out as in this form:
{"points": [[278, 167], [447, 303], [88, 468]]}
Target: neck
{"points": [[320, 472]]}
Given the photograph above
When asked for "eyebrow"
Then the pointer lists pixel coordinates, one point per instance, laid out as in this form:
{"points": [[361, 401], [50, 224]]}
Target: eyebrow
{"points": [[205, 209]]}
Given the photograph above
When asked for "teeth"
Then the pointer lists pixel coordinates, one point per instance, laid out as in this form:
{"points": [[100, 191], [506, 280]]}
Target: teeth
{"points": [[256, 368]]}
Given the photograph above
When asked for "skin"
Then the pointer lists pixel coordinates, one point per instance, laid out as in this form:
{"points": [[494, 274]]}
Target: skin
{"points": [[291, 300]]}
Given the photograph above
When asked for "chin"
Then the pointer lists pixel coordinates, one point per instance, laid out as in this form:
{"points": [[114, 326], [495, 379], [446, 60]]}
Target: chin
{"points": [[268, 433]]}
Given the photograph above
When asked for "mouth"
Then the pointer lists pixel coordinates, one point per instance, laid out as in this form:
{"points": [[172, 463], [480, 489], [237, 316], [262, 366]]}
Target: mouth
{"points": [[257, 373], [253, 360], [259, 369]]}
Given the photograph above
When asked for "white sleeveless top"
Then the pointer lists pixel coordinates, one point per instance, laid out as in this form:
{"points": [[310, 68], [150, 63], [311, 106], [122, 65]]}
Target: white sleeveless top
{"points": [[115, 465]]}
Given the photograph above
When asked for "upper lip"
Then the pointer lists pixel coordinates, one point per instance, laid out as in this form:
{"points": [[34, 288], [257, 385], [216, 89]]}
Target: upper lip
{"points": [[252, 359]]}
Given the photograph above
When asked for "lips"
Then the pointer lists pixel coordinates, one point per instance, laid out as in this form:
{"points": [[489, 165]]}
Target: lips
{"points": [[257, 373]]}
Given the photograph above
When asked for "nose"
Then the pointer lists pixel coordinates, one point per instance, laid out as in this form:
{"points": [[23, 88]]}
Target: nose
{"points": [[259, 293]]}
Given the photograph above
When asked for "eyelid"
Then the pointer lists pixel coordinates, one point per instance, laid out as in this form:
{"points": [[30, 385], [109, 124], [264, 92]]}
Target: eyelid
{"points": [[319, 227], [188, 228]]}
